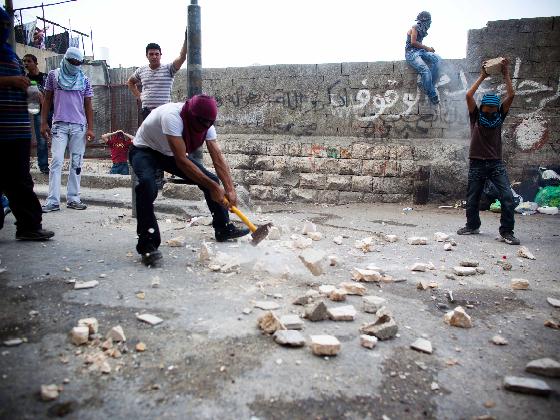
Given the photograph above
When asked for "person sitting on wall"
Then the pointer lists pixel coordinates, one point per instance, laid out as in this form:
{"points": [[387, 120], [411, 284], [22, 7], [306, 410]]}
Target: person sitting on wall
{"points": [[485, 156], [423, 58], [119, 142], [164, 139]]}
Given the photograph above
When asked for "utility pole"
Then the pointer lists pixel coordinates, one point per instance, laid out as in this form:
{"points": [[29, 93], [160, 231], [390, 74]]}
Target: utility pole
{"points": [[194, 55], [10, 12]]}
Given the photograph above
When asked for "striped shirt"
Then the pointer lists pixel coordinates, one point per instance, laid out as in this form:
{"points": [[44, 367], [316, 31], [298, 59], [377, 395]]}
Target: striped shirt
{"points": [[14, 118], [156, 84]]}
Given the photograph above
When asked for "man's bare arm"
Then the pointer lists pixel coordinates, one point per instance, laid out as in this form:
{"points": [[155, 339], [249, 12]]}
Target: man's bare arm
{"points": [[471, 103], [222, 170], [417, 44], [178, 62]]}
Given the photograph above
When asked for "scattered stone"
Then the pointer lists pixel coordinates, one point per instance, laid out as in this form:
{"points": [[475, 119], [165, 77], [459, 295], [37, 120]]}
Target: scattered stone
{"points": [[267, 305], [489, 404], [200, 221], [179, 241], [419, 267], [433, 285], [469, 263], [506, 266], [315, 236], [325, 345], [247, 311], [301, 242], [312, 259], [391, 238], [317, 312], [107, 344], [417, 240], [333, 260], [155, 282], [384, 327], [149, 319], [49, 392], [306, 299], [441, 237], [422, 285], [326, 289], [553, 302], [519, 284], [524, 252], [352, 288], [269, 323], [423, 345], [371, 304], [450, 277], [365, 275], [480, 270], [103, 276], [458, 318], [292, 322], [273, 233], [499, 340], [448, 247], [141, 295], [116, 334], [338, 295], [464, 271], [79, 335], [526, 385], [91, 323], [366, 244], [85, 284], [205, 252], [140, 347], [368, 341], [308, 227], [342, 313], [552, 324], [338, 240], [544, 367], [289, 338], [13, 342]]}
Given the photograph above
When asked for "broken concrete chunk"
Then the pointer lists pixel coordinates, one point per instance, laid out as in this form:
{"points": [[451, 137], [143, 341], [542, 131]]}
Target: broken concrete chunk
{"points": [[342, 313], [273, 233], [391, 238], [441, 237], [85, 284], [423, 345], [79, 335], [316, 312], [107, 344], [448, 247], [338, 295], [325, 345], [417, 240], [371, 304], [422, 285], [49, 392], [205, 252], [313, 259], [352, 288], [368, 341], [269, 323], [13, 342], [519, 284], [116, 334], [140, 347], [179, 241], [149, 319], [315, 236], [480, 270], [469, 263], [301, 242], [292, 322], [91, 323], [332, 260], [326, 289], [289, 338], [524, 252], [384, 328], [306, 299], [266, 305], [464, 271], [544, 367], [366, 244], [308, 227], [338, 240], [360, 274], [526, 385], [419, 267], [493, 66], [458, 318], [553, 302], [499, 340]]}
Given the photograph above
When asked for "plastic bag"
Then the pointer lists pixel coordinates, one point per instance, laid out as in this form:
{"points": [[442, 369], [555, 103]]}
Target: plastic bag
{"points": [[527, 207], [496, 206], [548, 210], [548, 178], [548, 196]]}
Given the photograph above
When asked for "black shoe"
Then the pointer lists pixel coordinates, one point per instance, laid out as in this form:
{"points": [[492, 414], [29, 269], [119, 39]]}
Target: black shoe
{"points": [[509, 238], [467, 231], [230, 231], [34, 235], [152, 258]]}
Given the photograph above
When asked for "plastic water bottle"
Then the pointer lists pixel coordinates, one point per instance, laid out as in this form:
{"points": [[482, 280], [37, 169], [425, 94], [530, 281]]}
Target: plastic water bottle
{"points": [[33, 99]]}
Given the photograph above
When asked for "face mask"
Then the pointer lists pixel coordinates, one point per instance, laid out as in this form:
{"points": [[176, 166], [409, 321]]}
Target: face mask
{"points": [[490, 119]]}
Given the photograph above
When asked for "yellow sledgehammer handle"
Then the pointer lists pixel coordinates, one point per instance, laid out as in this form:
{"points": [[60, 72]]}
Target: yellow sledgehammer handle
{"points": [[243, 218]]}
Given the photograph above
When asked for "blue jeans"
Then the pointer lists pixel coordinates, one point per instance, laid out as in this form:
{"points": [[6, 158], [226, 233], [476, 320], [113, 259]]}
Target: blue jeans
{"points": [[495, 171], [426, 65], [119, 169], [42, 148], [145, 163]]}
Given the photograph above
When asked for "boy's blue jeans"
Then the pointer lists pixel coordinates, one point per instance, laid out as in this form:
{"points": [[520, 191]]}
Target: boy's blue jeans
{"points": [[426, 65]]}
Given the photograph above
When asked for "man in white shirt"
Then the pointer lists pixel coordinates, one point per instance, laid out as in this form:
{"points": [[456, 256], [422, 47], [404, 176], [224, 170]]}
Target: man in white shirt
{"points": [[165, 140]]}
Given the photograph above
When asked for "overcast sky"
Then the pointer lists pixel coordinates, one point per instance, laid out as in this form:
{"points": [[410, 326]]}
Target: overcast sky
{"points": [[248, 32]]}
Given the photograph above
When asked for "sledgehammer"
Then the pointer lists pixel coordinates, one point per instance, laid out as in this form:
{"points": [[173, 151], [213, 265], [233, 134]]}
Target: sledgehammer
{"points": [[258, 233]]}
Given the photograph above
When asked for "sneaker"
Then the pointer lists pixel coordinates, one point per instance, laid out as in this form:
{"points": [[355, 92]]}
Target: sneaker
{"points": [[509, 238], [230, 231], [47, 208], [76, 205], [152, 258], [467, 231], [34, 235]]}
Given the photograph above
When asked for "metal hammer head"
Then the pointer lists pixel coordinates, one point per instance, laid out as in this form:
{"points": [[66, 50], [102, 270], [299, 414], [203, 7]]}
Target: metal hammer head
{"points": [[261, 233]]}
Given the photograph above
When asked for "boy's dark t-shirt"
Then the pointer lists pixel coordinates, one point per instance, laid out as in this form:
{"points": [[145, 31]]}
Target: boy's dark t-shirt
{"points": [[40, 78], [486, 143], [119, 145]]}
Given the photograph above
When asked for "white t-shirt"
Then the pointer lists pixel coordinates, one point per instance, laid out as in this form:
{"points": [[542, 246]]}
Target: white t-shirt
{"points": [[162, 121]]}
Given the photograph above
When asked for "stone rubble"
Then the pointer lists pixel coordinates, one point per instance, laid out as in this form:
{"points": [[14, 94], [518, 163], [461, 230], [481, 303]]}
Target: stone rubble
{"points": [[441, 237], [177, 242], [313, 259], [140, 347], [338, 295], [292, 322], [49, 392], [368, 341], [155, 282], [308, 227], [338, 240], [301, 242], [360, 274], [384, 327], [266, 305], [325, 345], [205, 253], [458, 318], [527, 385], [353, 288], [269, 323], [90, 323], [316, 312], [417, 240], [85, 284], [524, 252], [79, 335], [332, 260], [13, 342], [447, 247], [499, 340], [422, 267], [289, 338], [116, 334], [423, 345], [315, 236], [391, 238], [519, 284], [371, 304], [308, 298], [326, 289], [274, 233], [469, 263], [342, 313], [544, 367], [464, 271], [149, 319], [553, 302], [365, 244]]}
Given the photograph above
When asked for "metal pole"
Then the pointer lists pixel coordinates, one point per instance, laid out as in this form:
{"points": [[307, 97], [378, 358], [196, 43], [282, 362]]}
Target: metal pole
{"points": [[194, 55], [12, 36]]}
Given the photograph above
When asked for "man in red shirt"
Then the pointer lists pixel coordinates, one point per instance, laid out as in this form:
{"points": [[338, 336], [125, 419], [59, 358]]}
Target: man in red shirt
{"points": [[119, 142]]}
